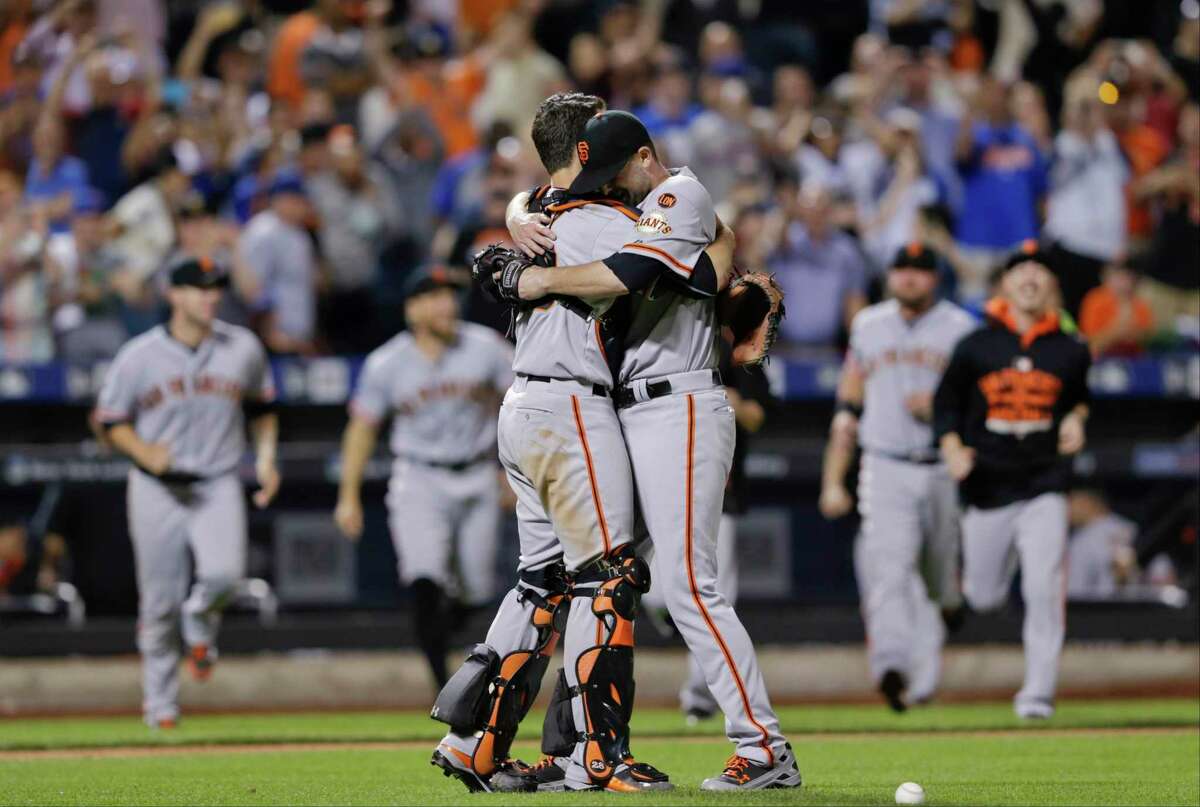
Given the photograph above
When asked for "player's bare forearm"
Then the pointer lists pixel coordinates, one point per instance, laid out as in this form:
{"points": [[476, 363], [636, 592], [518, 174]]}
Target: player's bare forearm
{"points": [[950, 442], [749, 415], [518, 205], [839, 453], [265, 430], [357, 444], [585, 280], [530, 231]]}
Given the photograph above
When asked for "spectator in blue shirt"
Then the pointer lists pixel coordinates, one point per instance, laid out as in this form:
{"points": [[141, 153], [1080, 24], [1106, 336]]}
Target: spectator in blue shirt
{"points": [[821, 270], [1004, 174], [671, 107], [55, 180]]}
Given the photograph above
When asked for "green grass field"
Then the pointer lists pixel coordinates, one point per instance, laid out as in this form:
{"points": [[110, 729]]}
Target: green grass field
{"points": [[1105, 752]]}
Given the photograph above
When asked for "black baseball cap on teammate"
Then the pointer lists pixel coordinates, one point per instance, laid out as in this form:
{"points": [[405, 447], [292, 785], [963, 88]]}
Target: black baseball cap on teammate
{"points": [[198, 272], [915, 256], [609, 140], [428, 278], [1030, 250]]}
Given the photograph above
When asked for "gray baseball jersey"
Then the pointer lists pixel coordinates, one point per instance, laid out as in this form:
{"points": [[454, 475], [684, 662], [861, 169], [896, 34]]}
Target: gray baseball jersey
{"points": [[444, 522], [553, 341], [906, 555], [670, 332], [442, 411], [191, 400], [898, 358]]}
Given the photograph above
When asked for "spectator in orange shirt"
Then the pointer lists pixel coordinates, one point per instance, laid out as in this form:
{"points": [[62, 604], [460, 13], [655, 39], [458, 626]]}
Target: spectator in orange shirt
{"points": [[1113, 317], [284, 81], [14, 23], [447, 88], [1145, 148]]}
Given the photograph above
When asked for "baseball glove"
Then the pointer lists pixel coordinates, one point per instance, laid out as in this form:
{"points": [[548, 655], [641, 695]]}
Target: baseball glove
{"points": [[752, 308], [498, 272]]}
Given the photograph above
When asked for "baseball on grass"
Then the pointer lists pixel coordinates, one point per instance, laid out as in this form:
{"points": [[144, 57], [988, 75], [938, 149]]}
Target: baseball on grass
{"points": [[910, 793]]}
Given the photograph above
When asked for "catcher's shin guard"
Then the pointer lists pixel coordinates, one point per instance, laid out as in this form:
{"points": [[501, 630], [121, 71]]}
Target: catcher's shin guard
{"points": [[605, 670], [490, 695]]}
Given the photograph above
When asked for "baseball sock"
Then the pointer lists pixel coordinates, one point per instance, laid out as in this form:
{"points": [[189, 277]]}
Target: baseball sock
{"points": [[429, 616]]}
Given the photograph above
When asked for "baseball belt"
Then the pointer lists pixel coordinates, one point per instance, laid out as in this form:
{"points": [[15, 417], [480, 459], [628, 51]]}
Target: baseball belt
{"points": [[915, 457], [640, 391], [598, 390]]}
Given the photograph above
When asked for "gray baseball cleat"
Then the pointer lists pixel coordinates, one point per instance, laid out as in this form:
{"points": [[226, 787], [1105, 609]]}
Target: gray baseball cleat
{"points": [[547, 776], [744, 774], [512, 772]]}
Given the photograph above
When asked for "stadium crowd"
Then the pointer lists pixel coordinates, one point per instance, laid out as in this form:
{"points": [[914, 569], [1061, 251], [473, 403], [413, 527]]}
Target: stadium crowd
{"points": [[324, 152]]}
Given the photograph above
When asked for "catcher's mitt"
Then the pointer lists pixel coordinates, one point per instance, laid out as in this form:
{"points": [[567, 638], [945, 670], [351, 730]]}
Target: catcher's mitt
{"points": [[752, 307], [498, 272]]}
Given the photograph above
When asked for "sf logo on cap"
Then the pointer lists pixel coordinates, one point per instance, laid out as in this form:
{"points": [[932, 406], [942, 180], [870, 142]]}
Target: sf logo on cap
{"points": [[582, 148]]}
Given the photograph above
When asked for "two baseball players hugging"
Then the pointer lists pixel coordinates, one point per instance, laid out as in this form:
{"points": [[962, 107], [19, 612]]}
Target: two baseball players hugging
{"points": [[616, 436]]}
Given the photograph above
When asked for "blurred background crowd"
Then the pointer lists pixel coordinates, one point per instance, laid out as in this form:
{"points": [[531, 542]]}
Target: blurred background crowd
{"points": [[325, 150]]}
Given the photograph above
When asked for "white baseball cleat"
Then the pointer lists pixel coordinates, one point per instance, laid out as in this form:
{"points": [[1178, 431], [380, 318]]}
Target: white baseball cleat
{"points": [[1034, 710], [744, 774]]}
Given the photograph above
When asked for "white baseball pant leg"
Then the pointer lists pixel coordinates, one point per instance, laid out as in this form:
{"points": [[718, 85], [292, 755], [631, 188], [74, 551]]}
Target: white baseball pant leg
{"points": [[421, 519], [478, 534], [562, 451], [887, 553], [937, 588], [694, 696], [1037, 529], [681, 449], [217, 536], [174, 528]]}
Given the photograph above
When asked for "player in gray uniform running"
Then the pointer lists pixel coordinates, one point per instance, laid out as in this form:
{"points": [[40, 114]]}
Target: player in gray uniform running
{"points": [[175, 401], [675, 417], [561, 447], [906, 554], [440, 384]]}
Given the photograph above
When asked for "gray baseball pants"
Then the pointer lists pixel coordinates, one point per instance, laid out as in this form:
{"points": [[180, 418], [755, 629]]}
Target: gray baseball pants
{"points": [[681, 448], [1033, 534], [563, 454], [910, 530], [694, 695], [178, 529], [445, 526]]}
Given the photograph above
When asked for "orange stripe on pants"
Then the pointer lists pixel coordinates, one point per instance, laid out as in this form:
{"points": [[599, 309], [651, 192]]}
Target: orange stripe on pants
{"points": [[587, 456], [712, 628]]}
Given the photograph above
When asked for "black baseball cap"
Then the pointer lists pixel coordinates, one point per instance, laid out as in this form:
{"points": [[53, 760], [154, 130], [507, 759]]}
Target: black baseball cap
{"points": [[609, 140], [429, 278], [1030, 250], [915, 256], [197, 271]]}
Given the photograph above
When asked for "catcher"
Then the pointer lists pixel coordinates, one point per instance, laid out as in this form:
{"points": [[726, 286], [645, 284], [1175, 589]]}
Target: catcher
{"points": [[669, 390]]}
